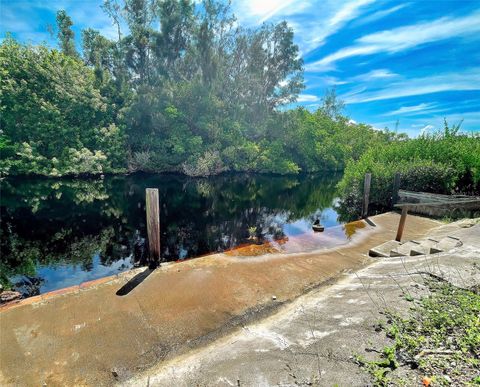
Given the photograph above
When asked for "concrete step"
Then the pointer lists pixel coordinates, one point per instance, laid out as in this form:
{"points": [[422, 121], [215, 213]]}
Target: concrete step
{"points": [[427, 246], [384, 249], [415, 247], [410, 248], [449, 243]]}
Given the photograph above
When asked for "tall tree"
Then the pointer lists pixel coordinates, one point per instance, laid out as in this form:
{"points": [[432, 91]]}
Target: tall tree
{"points": [[97, 50], [65, 34], [113, 9], [172, 41], [139, 14]]}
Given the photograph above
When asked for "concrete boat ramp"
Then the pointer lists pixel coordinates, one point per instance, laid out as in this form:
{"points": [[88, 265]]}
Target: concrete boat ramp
{"points": [[88, 335], [313, 340]]}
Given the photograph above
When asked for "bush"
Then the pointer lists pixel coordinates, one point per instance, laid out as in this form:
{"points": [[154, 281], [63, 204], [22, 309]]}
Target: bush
{"points": [[207, 164], [54, 119], [443, 163]]}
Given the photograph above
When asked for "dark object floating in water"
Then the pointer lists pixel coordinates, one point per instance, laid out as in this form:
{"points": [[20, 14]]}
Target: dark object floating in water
{"points": [[317, 227]]}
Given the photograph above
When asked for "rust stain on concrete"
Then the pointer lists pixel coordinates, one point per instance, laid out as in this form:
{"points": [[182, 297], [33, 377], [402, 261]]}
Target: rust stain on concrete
{"points": [[90, 336], [352, 227]]}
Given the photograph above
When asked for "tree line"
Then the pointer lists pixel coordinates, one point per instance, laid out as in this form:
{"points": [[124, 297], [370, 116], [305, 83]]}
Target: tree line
{"points": [[181, 88]]}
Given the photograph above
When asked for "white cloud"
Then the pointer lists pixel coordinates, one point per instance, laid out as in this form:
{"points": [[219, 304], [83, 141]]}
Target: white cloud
{"points": [[379, 15], [467, 80], [414, 127], [319, 29], [319, 67], [426, 128], [21, 18], [19, 27], [467, 118], [403, 38], [307, 98], [313, 21], [256, 12], [411, 109], [374, 75], [316, 81]]}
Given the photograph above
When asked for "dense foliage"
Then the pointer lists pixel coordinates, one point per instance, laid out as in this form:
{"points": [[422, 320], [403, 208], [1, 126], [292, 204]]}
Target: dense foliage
{"points": [[182, 89], [445, 162], [54, 120]]}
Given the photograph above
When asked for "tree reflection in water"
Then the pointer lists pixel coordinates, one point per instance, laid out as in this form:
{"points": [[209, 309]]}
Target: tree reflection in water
{"points": [[60, 232]]}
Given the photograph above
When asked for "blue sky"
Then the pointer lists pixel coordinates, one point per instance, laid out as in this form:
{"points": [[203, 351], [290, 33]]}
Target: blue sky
{"points": [[416, 62]]}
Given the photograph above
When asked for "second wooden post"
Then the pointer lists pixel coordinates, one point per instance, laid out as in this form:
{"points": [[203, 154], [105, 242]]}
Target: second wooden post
{"points": [[396, 187], [152, 208], [366, 194], [401, 224]]}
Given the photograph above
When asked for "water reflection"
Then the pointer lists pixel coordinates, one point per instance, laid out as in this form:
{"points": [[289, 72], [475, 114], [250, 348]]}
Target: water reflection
{"points": [[57, 233]]}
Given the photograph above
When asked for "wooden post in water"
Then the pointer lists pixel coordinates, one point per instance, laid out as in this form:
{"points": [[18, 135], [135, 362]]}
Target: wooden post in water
{"points": [[396, 187], [401, 224], [366, 194], [152, 208]]}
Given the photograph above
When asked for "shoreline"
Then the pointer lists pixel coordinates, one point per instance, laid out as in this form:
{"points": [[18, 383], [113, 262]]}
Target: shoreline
{"points": [[137, 270], [176, 309]]}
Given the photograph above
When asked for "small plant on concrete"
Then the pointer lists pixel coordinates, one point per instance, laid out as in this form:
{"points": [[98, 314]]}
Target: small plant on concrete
{"points": [[252, 232], [379, 369]]}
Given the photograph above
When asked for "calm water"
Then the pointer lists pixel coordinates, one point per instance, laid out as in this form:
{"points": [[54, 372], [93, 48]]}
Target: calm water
{"points": [[61, 232]]}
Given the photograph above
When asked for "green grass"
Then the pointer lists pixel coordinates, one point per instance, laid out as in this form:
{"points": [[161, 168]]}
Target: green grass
{"points": [[439, 339]]}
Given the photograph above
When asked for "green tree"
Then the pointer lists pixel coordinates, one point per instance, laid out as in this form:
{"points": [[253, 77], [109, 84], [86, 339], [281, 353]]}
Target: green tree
{"points": [[65, 34]]}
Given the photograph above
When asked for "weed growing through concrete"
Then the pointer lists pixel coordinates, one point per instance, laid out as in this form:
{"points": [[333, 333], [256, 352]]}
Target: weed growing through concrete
{"points": [[438, 342]]}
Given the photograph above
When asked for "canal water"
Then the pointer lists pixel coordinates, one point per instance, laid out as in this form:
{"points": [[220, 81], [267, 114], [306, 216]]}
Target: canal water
{"points": [[61, 232]]}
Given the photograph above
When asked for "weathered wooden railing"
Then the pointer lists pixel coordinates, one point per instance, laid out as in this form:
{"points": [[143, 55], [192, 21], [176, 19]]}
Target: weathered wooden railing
{"points": [[465, 203], [419, 202]]}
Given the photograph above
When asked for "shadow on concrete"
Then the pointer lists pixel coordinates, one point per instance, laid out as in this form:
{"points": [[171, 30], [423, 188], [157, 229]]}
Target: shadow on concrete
{"points": [[134, 282]]}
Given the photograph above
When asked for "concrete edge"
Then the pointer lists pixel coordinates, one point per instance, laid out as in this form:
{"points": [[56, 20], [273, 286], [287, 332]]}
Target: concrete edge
{"points": [[104, 280]]}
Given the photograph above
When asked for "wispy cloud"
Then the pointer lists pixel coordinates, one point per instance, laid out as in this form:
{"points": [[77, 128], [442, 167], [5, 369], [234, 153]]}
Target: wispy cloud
{"points": [[404, 38], [308, 98], [426, 129], [315, 34], [406, 110], [21, 18], [466, 80], [379, 15], [21, 28], [414, 127], [313, 21], [325, 82], [257, 12], [373, 75]]}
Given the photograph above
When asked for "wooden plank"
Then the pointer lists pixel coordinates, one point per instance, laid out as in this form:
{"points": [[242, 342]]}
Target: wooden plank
{"points": [[152, 208], [401, 224], [431, 197], [473, 203], [366, 194]]}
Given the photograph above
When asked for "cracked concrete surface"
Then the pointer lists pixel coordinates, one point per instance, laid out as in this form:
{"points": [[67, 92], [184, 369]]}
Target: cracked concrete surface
{"points": [[313, 339]]}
